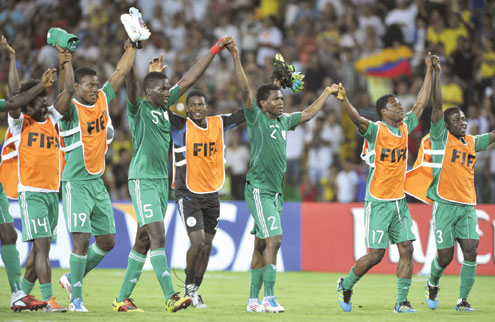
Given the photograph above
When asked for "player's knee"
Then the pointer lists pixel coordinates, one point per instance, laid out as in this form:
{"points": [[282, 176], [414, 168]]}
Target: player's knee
{"points": [[274, 244], [444, 259], [470, 255], [197, 244], [9, 238], [41, 245], [376, 257], [143, 242], [8, 234], [106, 244]]}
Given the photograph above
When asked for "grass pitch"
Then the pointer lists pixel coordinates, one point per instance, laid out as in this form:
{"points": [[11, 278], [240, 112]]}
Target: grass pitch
{"points": [[305, 296]]}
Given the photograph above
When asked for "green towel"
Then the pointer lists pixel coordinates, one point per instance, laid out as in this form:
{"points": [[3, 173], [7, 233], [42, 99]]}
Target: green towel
{"points": [[62, 38]]}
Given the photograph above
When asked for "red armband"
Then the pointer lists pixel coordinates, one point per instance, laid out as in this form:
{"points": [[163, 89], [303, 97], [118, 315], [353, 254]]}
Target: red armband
{"points": [[215, 49]]}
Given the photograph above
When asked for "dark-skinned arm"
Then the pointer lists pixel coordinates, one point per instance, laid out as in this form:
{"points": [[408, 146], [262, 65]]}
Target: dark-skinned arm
{"points": [[62, 102], [14, 104], [361, 122], [13, 81], [437, 111], [246, 94], [131, 83], [195, 72], [310, 111], [424, 93], [123, 67]]}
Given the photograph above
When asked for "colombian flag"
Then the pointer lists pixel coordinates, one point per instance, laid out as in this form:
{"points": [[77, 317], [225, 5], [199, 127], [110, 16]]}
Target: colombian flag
{"points": [[388, 63]]}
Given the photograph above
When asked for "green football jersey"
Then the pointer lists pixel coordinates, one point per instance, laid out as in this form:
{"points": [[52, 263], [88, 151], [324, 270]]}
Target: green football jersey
{"points": [[268, 140], [74, 167], [150, 128], [438, 139], [411, 122], [2, 105]]}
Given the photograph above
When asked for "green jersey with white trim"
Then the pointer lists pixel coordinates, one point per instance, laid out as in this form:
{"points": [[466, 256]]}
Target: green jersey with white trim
{"points": [[268, 140], [150, 128], [2, 105]]}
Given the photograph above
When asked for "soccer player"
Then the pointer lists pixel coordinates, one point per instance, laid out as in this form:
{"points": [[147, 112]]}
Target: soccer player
{"points": [[8, 235], [199, 174], [267, 131], [453, 193], [38, 147], [148, 176], [86, 202], [387, 216]]}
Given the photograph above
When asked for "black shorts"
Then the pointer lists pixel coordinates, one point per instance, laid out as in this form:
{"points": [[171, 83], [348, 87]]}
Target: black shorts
{"points": [[199, 213]]}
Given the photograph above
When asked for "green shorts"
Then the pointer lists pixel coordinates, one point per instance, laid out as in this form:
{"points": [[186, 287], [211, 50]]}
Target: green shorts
{"points": [[266, 209], [39, 214], [5, 216], [387, 220], [452, 222], [150, 199], [87, 207]]}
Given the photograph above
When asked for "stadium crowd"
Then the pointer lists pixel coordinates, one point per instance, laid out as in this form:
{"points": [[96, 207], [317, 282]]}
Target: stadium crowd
{"points": [[321, 38]]}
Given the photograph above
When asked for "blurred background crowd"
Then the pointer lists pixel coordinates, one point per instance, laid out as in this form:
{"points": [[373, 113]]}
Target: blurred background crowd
{"points": [[322, 38]]}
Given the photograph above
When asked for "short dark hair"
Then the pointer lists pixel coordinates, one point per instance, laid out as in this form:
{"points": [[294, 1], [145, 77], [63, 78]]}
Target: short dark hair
{"points": [[381, 103], [27, 85], [196, 92], [451, 110], [151, 78], [263, 92], [83, 71]]}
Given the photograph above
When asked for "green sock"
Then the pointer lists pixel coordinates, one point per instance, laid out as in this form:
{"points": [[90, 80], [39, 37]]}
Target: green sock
{"points": [[256, 282], [46, 291], [403, 285], [27, 286], [436, 272], [95, 255], [135, 264], [269, 273], [162, 272], [10, 258], [350, 280], [468, 274], [77, 268]]}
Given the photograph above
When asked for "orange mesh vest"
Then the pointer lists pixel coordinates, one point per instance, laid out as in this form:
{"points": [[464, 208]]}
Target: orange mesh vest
{"points": [[456, 182], [39, 155], [419, 178], [205, 156], [8, 166], [93, 123], [387, 182]]}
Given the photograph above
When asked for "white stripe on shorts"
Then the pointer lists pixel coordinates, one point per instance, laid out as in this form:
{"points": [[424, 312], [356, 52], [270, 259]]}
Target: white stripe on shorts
{"points": [[180, 202], [68, 205], [137, 191], [29, 234], [259, 210]]}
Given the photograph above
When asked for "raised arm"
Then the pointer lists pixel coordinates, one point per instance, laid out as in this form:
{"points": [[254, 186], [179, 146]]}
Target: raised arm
{"points": [[66, 79], [361, 122], [15, 103], [424, 93], [123, 67], [437, 112], [195, 72], [13, 81], [310, 111], [246, 94]]}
